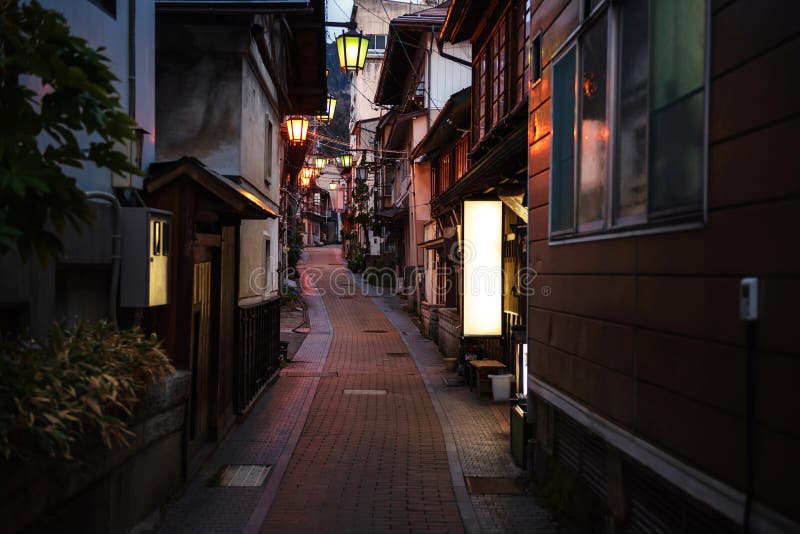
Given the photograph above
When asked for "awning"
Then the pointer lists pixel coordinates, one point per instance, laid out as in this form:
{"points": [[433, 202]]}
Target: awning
{"points": [[393, 213], [505, 159], [432, 243], [244, 200]]}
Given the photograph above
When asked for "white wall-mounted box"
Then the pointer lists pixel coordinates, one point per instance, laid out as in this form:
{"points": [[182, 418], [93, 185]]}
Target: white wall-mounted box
{"points": [[146, 250]]}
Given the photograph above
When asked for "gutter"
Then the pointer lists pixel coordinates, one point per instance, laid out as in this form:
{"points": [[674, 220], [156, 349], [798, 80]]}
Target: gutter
{"points": [[440, 46]]}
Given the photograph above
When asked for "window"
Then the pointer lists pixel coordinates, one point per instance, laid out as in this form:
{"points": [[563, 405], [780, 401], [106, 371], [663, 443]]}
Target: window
{"points": [[377, 43], [479, 97], [536, 58], [628, 146], [523, 33], [268, 140], [499, 44]]}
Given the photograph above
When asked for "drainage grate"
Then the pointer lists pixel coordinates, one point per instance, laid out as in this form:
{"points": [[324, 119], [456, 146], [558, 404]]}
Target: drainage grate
{"points": [[240, 476], [364, 392], [376, 331], [453, 382], [397, 354], [310, 374], [493, 486]]}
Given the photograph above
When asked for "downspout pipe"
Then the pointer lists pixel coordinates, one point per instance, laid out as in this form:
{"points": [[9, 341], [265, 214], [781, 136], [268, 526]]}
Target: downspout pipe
{"points": [[116, 248], [445, 55]]}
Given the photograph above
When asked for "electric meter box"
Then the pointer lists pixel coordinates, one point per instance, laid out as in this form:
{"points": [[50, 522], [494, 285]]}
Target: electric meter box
{"points": [[146, 250]]}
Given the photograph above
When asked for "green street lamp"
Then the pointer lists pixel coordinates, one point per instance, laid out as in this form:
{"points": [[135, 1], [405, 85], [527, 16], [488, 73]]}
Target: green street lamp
{"points": [[330, 105], [320, 161], [352, 48], [346, 160]]}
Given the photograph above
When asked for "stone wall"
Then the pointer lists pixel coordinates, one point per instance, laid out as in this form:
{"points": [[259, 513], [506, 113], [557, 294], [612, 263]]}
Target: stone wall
{"points": [[103, 490]]}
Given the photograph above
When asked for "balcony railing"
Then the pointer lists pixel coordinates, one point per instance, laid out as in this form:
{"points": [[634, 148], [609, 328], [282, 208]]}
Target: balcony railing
{"points": [[257, 351]]}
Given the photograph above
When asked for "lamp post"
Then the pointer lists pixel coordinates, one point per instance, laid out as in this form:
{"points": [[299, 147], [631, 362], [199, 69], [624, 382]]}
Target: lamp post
{"points": [[352, 48]]}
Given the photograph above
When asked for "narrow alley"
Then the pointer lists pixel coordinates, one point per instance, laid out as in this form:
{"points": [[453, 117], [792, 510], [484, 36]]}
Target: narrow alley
{"points": [[361, 433]]}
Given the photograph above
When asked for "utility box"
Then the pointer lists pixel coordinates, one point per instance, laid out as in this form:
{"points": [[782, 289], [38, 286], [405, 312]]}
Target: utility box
{"points": [[146, 249]]}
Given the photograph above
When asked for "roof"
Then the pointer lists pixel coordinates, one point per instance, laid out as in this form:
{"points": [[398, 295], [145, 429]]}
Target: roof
{"points": [[405, 36], [453, 117], [461, 20], [243, 199], [504, 160]]}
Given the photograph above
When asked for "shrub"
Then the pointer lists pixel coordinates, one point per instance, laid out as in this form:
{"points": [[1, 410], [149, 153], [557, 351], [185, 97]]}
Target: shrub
{"points": [[76, 384]]}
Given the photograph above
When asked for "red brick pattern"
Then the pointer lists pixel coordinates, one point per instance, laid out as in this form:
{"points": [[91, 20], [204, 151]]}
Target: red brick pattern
{"points": [[366, 463]]}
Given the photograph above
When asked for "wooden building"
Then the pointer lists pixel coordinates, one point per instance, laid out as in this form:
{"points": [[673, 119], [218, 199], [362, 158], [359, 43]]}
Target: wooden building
{"points": [[661, 174], [489, 164]]}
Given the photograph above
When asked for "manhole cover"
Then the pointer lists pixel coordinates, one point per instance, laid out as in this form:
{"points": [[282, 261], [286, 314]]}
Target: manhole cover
{"points": [[397, 354], [453, 382], [493, 486], [241, 476], [364, 392], [309, 374], [376, 331]]}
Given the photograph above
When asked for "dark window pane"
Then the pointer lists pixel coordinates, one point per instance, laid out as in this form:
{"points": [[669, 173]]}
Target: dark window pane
{"points": [[676, 155], [594, 124], [678, 49], [630, 195], [563, 182], [536, 59]]}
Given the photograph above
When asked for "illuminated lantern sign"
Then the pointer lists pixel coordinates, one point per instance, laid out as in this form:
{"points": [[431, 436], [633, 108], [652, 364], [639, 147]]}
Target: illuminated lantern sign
{"points": [[483, 267], [352, 49], [297, 128], [346, 160], [330, 106], [306, 175], [320, 161]]}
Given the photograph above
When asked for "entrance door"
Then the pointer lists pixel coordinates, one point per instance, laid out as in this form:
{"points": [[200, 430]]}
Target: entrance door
{"points": [[201, 337]]}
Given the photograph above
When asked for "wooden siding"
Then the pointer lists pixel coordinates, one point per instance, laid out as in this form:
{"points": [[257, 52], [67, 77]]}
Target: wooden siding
{"points": [[644, 329]]}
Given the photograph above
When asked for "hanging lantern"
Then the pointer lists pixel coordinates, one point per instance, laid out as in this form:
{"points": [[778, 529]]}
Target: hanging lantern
{"points": [[320, 161], [352, 48], [306, 175], [297, 127], [346, 160], [332, 186], [330, 105]]}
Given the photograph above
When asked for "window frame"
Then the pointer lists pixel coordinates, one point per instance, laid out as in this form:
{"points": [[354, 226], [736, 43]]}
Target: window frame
{"points": [[632, 225]]}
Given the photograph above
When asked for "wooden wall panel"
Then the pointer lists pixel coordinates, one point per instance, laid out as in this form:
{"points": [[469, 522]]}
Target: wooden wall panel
{"points": [[776, 375], [754, 167], [563, 23], [539, 155], [749, 28], [706, 308], [592, 257], [538, 223], [757, 93], [736, 242], [777, 471], [539, 192], [606, 344], [702, 435], [611, 298], [709, 372]]}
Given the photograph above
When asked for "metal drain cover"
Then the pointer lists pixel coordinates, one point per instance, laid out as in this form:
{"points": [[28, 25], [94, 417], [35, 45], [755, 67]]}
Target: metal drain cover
{"points": [[376, 331], [310, 374], [397, 354], [364, 392], [241, 476]]}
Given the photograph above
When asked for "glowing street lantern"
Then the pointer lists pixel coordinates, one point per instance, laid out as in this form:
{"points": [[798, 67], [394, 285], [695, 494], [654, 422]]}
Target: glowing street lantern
{"points": [[346, 160], [352, 48], [483, 267], [332, 186], [330, 106], [320, 161], [306, 175], [297, 127]]}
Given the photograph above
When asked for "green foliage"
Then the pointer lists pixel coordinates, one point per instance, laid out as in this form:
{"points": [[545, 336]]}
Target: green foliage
{"points": [[363, 214], [75, 384], [77, 95], [356, 258], [295, 243]]}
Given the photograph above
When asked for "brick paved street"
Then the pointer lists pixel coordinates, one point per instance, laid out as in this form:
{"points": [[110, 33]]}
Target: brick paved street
{"points": [[361, 433]]}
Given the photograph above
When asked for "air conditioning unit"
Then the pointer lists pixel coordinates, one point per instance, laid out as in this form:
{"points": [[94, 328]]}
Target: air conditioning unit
{"points": [[146, 250]]}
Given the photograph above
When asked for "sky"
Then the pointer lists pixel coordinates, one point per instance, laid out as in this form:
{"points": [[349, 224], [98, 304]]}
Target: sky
{"points": [[337, 10]]}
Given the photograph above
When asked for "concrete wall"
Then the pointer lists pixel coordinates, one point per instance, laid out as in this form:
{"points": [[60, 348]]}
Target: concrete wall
{"points": [[199, 94], [99, 28]]}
